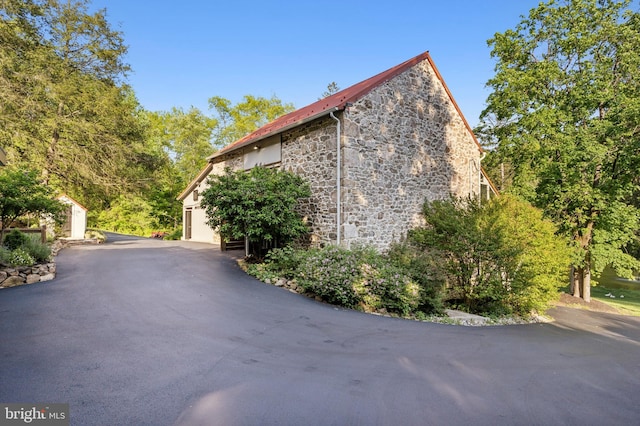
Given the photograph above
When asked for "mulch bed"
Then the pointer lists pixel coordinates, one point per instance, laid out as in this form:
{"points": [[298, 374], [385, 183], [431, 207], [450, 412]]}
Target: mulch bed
{"points": [[595, 305]]}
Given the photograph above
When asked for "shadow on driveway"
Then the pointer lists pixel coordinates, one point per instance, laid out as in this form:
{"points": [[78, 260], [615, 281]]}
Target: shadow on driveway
{"points": [[152, 332]]}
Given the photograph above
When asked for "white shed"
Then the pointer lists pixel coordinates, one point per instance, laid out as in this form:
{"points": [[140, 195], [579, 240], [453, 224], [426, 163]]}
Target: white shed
{"points": [[75, 224]]}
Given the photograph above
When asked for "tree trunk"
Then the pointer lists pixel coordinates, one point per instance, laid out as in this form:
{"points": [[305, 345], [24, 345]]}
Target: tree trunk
{"points": [[586, 281], [578, 276]]}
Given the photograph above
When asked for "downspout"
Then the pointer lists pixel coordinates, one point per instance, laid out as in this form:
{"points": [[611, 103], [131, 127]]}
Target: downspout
{"points": [[338, 179], [484, 154]]}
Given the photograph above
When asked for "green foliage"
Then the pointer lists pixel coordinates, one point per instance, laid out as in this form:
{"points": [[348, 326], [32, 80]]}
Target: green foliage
{"points": [[562, 121], [285, 260], [259, 204], [424, 270], [498, 258], [64, 111], [21, 250], [359, 278], [176, 234], [96, 234], [236, 121], [21, 193], [127, 215], [15, 239], [332, 88], [37, 250], [20, 257], [330, 274]]}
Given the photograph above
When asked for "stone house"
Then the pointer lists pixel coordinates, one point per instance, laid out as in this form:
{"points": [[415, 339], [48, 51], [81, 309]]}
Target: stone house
{"points": [[372, 153]]}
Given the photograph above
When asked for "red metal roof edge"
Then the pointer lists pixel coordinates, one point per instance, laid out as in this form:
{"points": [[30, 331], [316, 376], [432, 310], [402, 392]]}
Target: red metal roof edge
{"points": [[335, 102], [338, 101]]}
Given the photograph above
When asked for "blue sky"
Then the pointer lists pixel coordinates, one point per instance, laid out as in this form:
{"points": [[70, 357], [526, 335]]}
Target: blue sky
{"points": [[184, 52]]}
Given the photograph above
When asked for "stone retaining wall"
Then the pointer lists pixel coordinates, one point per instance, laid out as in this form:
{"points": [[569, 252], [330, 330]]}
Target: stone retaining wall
{"points": [[12, 277], [20, 275]]}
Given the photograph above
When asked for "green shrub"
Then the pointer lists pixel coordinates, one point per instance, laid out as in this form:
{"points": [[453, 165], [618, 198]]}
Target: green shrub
{"points": [[422, 270], [15, 239], [4, 255], [97, 234], [176, 234], [359, 278], [383, 286], [259, 204], [38, 251], [20, 257], [498, 258], [285, 260], [330, 273]]}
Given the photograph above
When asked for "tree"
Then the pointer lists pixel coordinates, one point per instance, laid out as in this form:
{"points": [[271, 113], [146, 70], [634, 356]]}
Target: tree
{"points": [[563, 116], [66, 112], [186, 136], [259, 205], [21, 193], [331, 89], [237, 121]]}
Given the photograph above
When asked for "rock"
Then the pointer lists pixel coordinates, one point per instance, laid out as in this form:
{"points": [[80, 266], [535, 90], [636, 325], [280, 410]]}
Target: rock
{"points": [[267, 281], [3, 276], [33, 278], [47, 277], [13, 281], [280, 282]]}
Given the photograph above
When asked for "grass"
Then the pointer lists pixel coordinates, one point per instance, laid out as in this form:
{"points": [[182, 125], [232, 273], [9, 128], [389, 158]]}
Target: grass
{"points": [[629, 305]]}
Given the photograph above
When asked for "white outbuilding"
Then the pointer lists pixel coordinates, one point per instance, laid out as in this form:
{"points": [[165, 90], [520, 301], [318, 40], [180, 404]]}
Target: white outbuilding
{"points": [[75, 224]]}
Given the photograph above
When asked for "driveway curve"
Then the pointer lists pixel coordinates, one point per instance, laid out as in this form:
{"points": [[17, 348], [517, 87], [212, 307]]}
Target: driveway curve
{"points": [[148, 332]]}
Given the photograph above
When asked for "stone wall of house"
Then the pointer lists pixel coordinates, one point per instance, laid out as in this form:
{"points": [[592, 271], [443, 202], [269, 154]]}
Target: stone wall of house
{"points": [[310, 151], [403, 143]]}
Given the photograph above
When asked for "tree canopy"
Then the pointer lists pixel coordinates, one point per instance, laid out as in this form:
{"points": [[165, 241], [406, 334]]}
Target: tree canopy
{"points": [[563, 118], [21, 193], [259, 204]]}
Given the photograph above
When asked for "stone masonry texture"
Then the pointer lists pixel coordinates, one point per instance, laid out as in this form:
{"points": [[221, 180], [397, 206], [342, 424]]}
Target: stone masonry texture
{"points": [[401, 144]]}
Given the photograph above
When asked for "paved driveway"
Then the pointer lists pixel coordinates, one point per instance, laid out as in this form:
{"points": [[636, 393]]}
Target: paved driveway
{"points": [[146, 332]]}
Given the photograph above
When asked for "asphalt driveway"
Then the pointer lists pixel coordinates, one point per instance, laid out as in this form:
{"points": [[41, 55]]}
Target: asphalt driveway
{"points": [[147, 332]]}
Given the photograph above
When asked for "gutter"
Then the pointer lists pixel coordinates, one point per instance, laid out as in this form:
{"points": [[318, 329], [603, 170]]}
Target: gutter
{"points": [[271, 133]]}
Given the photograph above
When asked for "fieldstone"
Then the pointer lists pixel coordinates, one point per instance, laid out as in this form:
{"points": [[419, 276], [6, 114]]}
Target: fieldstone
{"points": [[33, 278], [280, 282], [13, 281], [47, 277], [3, 276]]}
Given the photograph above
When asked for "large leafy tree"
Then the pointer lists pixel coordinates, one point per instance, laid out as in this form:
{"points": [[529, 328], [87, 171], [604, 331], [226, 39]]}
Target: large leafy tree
{"points": [[563, 116], [21, 193], [65, 110], [259, 204], [237, 121]]}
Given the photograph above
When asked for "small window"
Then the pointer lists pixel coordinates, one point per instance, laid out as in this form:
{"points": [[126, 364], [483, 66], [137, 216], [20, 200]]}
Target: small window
{"points": [[195, 195]]}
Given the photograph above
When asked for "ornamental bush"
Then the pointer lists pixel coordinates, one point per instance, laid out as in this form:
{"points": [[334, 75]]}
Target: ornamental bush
{"points": [[20, 257], [15, 239], [501, 257], [359, 278], [260, 204], [330, 274]]}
